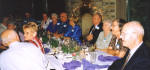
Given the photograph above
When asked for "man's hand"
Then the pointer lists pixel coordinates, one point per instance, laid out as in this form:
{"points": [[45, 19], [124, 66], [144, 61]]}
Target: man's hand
{"points": [[90, 37]]}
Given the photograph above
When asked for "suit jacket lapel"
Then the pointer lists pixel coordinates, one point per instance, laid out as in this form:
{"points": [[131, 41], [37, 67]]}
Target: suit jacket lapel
{"points": [[135, 57]]}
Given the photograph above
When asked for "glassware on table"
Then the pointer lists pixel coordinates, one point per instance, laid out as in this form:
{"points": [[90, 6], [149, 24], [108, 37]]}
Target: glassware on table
{"points": [[93, 57]]}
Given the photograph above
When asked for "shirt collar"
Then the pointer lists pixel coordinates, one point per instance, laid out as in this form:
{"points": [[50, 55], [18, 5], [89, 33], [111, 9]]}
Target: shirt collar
{"points": [[134, 49], [13, 44]]}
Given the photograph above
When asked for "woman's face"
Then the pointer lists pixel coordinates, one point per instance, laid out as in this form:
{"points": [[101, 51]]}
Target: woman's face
{"points": [[54, 19], [115, 27], [71, 23], [28, 34], [106, 26]]}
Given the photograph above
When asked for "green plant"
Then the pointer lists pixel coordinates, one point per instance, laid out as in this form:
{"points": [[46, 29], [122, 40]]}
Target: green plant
{"points": [[54, 43]]}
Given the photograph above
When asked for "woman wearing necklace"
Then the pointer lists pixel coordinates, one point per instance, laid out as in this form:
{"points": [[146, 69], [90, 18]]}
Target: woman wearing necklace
{"points": [[30, 35], [105, 36], [116, 41]]}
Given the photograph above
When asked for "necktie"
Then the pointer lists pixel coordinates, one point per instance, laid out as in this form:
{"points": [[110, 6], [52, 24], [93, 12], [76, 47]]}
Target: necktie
{"points": [[126, 61]]}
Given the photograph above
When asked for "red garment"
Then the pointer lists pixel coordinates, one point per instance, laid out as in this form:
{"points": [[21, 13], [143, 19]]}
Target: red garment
{"points": [[38, 43]]}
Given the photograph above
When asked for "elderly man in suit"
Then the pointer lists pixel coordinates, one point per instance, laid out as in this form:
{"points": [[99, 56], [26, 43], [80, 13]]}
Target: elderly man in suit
{"points": [[138, 56]]}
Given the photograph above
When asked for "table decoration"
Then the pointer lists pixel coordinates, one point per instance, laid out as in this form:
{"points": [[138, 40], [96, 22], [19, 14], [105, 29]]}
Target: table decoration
{"points": [[89, 66], [54, 42], [69, 46], [71, 65], [107, 58]]}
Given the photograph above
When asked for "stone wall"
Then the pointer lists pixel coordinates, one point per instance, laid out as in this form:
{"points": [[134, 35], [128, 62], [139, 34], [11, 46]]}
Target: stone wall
{"points": [[109, 9]]}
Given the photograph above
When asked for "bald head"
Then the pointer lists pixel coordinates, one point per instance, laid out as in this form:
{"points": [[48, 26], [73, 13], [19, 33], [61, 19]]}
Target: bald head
{"points": [[9, 36], [135, 26], [132, 34]]}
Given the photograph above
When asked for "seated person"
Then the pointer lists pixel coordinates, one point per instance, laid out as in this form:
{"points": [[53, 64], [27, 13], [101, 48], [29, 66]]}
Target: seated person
{"points": [[138, 55], [105, 36], [10, 25], [28, 18], [116, 41], [30, 34], [95, 29], [63, 23], [45, 21], [52, 27], [74, 31], [3, 25], [20, 55]]}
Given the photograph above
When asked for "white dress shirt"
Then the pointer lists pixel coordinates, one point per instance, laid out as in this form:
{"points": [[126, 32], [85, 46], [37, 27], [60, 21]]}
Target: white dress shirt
{"points": [[134, 50], [22, 56], [45, 24]]}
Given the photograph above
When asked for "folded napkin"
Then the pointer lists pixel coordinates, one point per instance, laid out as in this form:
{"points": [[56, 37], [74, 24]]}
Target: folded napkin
{"points": [[46, 50], [71, 65], [89, 66], [107, 58]]}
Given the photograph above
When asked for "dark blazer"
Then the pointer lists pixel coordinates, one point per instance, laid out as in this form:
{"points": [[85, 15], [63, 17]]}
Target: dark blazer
{"points": [[139, 61], [95, 33]]}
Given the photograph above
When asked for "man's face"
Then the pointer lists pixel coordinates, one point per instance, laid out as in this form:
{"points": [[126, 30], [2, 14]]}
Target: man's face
{"points": [[129, 37], [27, 15], [96, 19], [63, 17], [44, 16]]}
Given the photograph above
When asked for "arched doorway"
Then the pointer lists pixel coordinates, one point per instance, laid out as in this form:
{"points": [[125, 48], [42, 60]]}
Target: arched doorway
{"points": [[86, 23]]}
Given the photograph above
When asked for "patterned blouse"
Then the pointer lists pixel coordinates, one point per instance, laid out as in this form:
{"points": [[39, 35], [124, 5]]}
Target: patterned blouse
{"points": [[115, 43]]}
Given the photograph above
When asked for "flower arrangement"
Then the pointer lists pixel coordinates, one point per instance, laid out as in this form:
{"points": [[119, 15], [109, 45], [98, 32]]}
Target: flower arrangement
{"points": [[70, 46], [54, 43]]}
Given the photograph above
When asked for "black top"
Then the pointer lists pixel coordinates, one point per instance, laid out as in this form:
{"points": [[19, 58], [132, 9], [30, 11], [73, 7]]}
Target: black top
{"points": [[140, 60], [95, 32]]}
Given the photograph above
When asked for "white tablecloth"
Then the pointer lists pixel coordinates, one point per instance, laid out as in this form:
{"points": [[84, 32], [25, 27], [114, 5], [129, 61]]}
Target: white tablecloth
{"points": [[54, 63]]}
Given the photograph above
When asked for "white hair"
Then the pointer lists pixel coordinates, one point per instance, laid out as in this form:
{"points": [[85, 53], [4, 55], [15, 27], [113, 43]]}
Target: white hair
{"points": [[136, 26], [9, 37], [54, 14], [108, 21]]}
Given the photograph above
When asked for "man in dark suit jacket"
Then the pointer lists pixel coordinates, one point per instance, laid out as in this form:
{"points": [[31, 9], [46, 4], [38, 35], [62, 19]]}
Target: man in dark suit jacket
{"points": [[95, 29], [138, 56]]}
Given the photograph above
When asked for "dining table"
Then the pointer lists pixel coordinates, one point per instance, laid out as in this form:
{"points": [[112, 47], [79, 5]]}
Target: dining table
{"points": [[96, 60]]}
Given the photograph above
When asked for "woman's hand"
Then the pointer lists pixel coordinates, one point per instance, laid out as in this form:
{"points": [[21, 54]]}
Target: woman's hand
{"points": [[67, 38]]}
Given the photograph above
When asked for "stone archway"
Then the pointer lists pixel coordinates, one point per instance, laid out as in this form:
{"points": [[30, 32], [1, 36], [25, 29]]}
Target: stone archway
{"points": [[86, 23]]}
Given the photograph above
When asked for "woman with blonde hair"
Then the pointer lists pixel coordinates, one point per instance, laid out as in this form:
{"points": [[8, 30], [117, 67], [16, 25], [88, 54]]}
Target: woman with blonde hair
{"points": [[74, 31], [30, 34]]}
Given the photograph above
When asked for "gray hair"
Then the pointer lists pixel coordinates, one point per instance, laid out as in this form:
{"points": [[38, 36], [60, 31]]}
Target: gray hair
{"points": [[108, 21], [54, 14]]}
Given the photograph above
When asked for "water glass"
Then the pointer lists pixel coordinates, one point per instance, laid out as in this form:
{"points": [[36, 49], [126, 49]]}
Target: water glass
{"points": [[93, 57]]}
